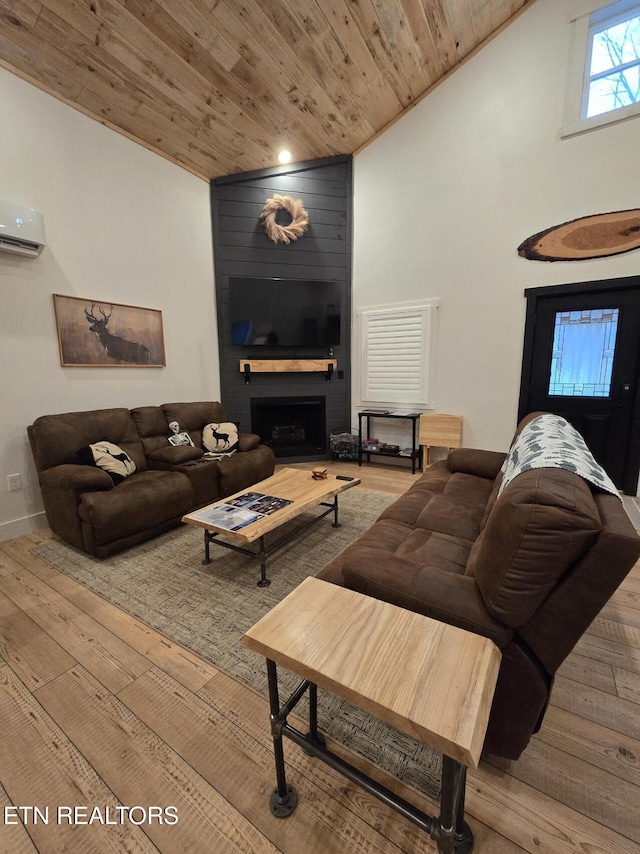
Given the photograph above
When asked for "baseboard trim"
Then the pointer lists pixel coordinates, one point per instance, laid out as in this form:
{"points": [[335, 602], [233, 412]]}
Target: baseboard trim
{"points": [[20, 527]]}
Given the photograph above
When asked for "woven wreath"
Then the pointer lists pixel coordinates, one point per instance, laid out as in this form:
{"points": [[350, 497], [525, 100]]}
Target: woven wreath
{"points": [[284, 233]]}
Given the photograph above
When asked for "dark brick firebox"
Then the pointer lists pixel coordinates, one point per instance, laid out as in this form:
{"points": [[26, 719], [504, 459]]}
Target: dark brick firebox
{"points": [[291, 426]]}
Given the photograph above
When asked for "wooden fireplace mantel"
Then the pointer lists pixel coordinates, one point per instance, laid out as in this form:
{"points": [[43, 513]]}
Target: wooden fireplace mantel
{"points": [[273, 366]]}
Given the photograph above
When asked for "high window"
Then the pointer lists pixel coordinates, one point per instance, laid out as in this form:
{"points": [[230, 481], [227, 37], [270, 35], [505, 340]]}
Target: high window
{"points": [[604, 74], [613, 65]]}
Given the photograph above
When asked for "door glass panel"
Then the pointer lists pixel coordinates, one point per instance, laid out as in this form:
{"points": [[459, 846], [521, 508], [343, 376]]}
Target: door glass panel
{"points": [[583, 347]]}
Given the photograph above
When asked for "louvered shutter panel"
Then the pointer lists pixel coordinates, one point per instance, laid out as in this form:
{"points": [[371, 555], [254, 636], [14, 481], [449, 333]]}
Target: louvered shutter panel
{"points": [[396, 345]]}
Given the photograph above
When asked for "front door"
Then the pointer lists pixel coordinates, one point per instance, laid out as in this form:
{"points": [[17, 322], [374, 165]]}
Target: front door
{"points": [[581, 361]]}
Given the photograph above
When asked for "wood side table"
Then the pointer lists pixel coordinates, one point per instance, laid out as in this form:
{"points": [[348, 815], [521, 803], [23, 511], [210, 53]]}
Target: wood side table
{"points": [[428, 679], [438, 431]]}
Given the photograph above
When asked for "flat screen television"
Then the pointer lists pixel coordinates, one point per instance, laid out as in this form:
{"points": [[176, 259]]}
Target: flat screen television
{"points": [[284, 312]]}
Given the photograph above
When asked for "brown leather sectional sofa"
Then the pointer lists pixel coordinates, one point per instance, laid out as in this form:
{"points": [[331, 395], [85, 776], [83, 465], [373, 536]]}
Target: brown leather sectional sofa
{"points": [[529, 569], [85, 508]]}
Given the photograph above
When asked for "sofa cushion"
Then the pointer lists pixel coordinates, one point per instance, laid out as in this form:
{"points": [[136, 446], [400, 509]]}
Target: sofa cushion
{"points": [[203, 473], [469, 487], [429, 549], [248, 441], [108, 457], [388, 537], [481, 463], [140, 502], [176, 455], [55, 439], [242, 470], [540, 525], [446, 514], [220, 438], [424, 588], [408, 507], [495, 492], [434, 479], [152, 428], [385, 535]]}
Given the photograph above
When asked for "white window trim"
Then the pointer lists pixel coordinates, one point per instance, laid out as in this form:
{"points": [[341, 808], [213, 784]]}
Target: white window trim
{"points": [[426, 312], [573, 123]]}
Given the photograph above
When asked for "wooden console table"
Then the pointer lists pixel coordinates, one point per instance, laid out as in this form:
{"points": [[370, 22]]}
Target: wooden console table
{"points": [[368, 414], [428, 679]]}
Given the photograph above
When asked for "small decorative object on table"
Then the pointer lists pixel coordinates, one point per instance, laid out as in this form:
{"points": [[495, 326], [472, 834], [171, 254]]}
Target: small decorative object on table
{"points": [[318, 473]]}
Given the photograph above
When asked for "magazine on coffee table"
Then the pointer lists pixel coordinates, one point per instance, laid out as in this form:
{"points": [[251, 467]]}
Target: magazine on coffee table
{"points": [[238, 512]]}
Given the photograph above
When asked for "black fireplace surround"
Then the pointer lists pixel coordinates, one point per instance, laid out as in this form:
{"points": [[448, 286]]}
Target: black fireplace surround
{"points": [[291, 426], [242, 250]]}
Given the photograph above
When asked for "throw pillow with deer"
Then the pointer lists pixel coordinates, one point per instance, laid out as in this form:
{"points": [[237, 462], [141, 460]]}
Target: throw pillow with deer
{"points": [[220, 438], [108, 457]]}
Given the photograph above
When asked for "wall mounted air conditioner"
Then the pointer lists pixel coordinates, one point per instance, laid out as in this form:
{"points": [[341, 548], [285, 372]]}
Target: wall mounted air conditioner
{"points": [[21, 230]]}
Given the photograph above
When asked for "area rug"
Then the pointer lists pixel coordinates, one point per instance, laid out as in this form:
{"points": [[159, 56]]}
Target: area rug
{"points": [[208, 609]]}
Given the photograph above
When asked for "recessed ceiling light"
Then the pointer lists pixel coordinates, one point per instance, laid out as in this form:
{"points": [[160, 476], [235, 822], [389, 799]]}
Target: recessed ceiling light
{"points": [[284, 156]]}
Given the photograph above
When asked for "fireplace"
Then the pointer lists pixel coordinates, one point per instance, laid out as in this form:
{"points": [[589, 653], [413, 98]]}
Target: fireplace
{"points": [[291, 426]]}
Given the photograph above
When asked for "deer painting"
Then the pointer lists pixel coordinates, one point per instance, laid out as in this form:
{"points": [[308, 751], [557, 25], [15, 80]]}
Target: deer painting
{"points": [[117, 348]]}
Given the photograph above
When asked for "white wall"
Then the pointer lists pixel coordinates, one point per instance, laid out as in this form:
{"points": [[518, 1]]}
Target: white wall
{"points": [[444, 198], [122, 225]]}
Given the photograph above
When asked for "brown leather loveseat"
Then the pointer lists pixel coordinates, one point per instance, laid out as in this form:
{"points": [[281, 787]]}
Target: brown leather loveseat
{"points": [[88, 510], [529, 568]]}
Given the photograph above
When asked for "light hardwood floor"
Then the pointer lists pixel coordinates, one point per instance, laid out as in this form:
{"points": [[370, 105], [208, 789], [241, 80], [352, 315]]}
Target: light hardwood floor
{"points": [[96, 709]]}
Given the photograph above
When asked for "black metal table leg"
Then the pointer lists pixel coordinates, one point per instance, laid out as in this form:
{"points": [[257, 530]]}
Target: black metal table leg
{"points": [[262, 557], [313, 734], [335, 523], [453, 834], [413, 445], [449, 830], [207, 557], [284, 798], [313, 711]]}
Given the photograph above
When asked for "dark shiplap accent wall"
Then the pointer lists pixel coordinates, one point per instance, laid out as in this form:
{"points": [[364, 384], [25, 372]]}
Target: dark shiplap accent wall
{"points": [[241, 248]]}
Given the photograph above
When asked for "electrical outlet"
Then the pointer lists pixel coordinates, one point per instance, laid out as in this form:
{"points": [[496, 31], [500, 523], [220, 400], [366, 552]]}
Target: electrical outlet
{"points": [[14, 482]]}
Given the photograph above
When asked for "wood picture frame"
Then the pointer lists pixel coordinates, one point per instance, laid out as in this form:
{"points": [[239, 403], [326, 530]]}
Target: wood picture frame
{"points": [[97, 333]]}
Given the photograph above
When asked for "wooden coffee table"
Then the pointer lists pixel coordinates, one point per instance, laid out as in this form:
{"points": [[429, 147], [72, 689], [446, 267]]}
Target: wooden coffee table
{"points": [[236, 519], [428, 679]]}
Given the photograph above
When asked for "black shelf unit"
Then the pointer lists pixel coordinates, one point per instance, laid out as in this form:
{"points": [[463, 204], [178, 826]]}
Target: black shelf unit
{"points": [[416, 451]]}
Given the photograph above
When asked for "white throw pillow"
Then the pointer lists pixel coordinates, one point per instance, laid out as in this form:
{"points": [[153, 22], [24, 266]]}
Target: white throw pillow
{"points": [[220, 438], [109, 457]]}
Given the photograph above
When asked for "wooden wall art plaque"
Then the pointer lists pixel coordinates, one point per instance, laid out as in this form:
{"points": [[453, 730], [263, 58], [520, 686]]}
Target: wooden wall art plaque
{"points": [[595, 236]]}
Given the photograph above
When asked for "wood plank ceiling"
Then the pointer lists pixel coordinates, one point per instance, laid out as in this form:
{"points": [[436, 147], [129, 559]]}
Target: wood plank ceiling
{"points": [[219, 86]]}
